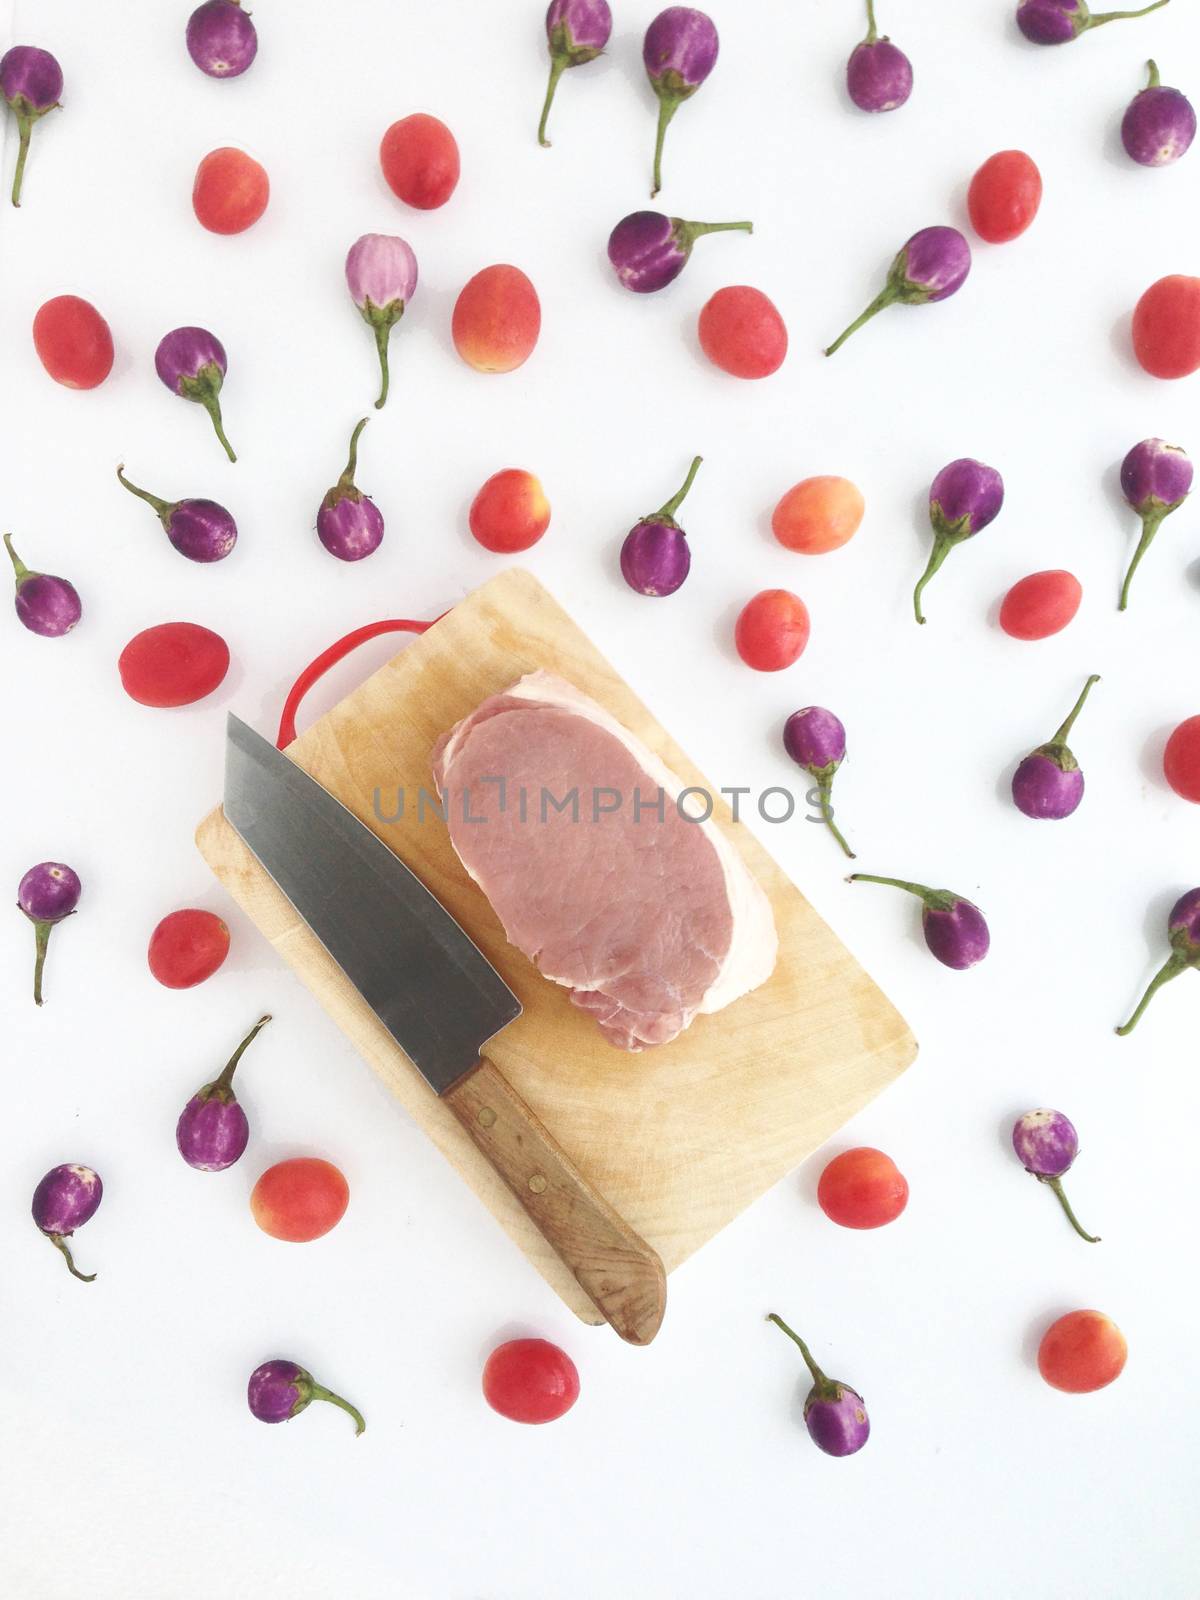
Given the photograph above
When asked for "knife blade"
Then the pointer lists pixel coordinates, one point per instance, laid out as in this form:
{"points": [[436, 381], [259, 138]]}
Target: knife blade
{"points": [[441, 1000]]}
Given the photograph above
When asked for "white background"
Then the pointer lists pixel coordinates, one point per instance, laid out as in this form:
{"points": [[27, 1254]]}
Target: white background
{"points": [[131, 1469]]}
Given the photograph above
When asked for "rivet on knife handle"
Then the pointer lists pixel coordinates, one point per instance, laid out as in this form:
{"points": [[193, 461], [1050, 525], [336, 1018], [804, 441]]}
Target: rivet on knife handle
{"points": [[615, 1267]]}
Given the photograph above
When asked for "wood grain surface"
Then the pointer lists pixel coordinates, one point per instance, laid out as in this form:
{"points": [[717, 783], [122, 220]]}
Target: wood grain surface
{"points": [[679, 1139]]}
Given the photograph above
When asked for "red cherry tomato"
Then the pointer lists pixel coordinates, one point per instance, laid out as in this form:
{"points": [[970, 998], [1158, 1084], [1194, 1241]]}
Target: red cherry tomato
{"points": [[420, 161], [73, 342], [1041, 604], [173, 664], [496, 319], [299, 1200], [742, 333], [187, 947], [1004, 196], [230, 192], [510, 512], [1181, 760], [862, 1188], [1166, 327], [772, 630], [530, 1380], [1081, 1352]]}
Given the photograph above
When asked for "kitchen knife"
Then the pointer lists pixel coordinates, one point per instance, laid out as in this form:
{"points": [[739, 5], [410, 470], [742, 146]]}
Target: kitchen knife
{"points": [[442, 1001]]}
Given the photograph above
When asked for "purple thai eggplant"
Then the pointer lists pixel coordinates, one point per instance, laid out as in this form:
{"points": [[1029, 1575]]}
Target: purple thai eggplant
{"points": [[1156, 478], [879, 76], [66, 1198], [816, 740], [1048, 783], [381, 274], [1060, 21], [31, 82], [349, 523], [576, 33], [1159, 125], [931, 266], [191, 362], [201, 530], [655, 558], [47, 895], [954, 928], [213, 1130], [281, 1390], [1047, 1144], [1183, 931], [45, 605], [221, 39], [679, 51], [964, 497], [649, 251], [834, 1413]]}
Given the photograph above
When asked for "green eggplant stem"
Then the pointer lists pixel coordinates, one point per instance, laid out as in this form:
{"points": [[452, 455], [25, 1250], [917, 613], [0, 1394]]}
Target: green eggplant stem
{"points": [[163, 507], [1064, 732], [872, 30], [1056, 1185], [824, 1386], [319, 1392], [696, 230], [1171, 968], [213, 406], [558, 65], [383, 333], [24, 130], [667, 107], [885, 297], [1155, 78], [19, 567], [1151, 523], [346, 481], [1099, 18], [226, 1078], [824, 791], [941, 549], [59, 1243], [676, 500]]}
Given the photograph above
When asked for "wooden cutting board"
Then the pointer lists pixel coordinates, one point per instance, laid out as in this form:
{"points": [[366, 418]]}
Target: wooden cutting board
{"points": [[680, 1138]]}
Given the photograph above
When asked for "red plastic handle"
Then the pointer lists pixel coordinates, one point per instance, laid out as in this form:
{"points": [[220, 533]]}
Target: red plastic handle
{"points": [[329, 658]]}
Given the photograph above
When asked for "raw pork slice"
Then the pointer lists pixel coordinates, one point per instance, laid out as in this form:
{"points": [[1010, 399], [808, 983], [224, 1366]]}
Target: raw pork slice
{"points": [[646, 916]]}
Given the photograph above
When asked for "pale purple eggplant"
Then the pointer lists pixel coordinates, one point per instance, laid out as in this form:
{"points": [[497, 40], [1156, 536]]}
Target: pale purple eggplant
{"points": [[213, 1130], [834, 1413], [679, 51], [1156, 478], [576, 33], [281, 1390], [955, 930], [46, 605], [816, 740], [192, 363], [31, 82], [381, 274], [649, 251], [66, 1198], [964, 498], [1048, 783], [1159, 125], [47, 895], [879, 76], [1047, 1144], [1183, 931], [201, 530], [349, 523], [221, 39], [1060, 21], [655, 558], [931, 266]]}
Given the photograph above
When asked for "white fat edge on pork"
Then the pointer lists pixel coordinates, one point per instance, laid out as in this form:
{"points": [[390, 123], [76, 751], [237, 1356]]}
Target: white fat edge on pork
{"points": [[750, 958]]}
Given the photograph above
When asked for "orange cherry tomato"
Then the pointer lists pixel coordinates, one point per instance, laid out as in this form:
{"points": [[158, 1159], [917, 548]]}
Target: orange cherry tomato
{"points": [[496, 320], [299, 1200], [1081, 1352], [818, 514], [230, 192], [862, 1188], [772, 630], [73, 342], [510, 512]]}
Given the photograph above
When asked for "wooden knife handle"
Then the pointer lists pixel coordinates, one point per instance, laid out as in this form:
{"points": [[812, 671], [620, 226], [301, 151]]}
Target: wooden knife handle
{"points": [[615, 1267]]}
